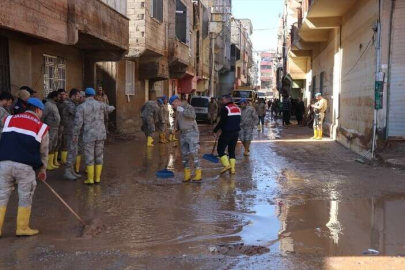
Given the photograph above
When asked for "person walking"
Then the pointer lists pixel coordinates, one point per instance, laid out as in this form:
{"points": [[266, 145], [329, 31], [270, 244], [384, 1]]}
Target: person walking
{"points": [[68, 117], [21, 104], [212, 111], [300, 111], [90, 115], [286, 110], [149, 115], [6, 99], [51, 117], [23, 155], [248, 119], [261, 112], [229, 124], [190, 137], [319, 108]]}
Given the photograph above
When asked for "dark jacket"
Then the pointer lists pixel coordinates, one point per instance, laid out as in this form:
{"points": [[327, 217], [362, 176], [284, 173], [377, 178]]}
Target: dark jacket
{"points": [[20, 106], [230, 119]]}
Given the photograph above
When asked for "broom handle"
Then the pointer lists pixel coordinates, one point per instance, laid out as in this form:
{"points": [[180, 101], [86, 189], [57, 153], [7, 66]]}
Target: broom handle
{"points": [[215, 144], [67, 206]]}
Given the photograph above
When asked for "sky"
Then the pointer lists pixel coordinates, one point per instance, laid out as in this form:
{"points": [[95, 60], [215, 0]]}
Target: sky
{"points": [[264, 15]]}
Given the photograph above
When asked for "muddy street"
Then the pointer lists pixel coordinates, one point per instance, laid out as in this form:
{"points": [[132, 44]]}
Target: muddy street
{"points": [[293, 204]]}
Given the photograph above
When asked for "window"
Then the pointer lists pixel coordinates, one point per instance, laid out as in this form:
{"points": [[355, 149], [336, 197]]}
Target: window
{"points": [[54, 74], [321, 78], [181, 21], [130, 79], [4, 65], [157, 10]]}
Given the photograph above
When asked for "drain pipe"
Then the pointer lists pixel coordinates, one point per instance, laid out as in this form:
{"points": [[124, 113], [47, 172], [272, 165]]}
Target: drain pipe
{"points": [[379, 78]]}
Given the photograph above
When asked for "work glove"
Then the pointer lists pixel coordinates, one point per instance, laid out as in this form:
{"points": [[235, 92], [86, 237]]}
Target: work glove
{"points": [[180, 109]]}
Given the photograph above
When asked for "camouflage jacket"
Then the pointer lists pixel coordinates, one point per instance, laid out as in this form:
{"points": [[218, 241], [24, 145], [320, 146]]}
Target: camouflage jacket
{"points": [[68, 115], [51, 115], [186, 120], [249, 118], [3, 115], [90, 116], [150, 109], [162, 114], [213, 107]]}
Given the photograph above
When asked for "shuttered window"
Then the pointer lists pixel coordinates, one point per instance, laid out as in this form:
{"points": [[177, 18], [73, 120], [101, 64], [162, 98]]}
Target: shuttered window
{"points": [[181, 21], [157, 10], [130, 79], [4, 65]]}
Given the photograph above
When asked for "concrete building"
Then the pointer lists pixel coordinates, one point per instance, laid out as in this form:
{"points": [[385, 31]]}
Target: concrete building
{"points": [[267, 70], [52, 44], [352, 52]]}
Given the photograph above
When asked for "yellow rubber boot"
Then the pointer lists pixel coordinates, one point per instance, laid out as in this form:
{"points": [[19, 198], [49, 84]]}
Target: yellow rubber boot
{"points": [[198, 176], [187, 175], [225, 162], [50, 166], [77, 165], [164, 138], [319, 135], [259, 128], [63, 157], [55, 160], [161, 138], [174, 138], [232, 161], [315, 134], [99, 169], [90, 175], [2, 216], [149, 142], [23, 222]]}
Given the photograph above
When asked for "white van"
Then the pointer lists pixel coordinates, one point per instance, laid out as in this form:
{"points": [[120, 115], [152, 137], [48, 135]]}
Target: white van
{"points": [[201, 104]]}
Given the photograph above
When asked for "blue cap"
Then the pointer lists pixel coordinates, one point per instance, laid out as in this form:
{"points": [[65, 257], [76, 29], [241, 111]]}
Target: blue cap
{"points": [[160, 101], [243, 100], [318, 94], [164, 98], [36, 102], [173, 98], [90, 92]]}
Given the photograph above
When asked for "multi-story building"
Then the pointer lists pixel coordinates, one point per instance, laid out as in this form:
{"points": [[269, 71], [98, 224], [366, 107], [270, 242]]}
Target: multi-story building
{"points": [[267, 60], [351, 52], [53, 44]]}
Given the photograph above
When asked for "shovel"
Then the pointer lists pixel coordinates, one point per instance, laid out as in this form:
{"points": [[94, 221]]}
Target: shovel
{"points": [[166, 173], [211, 157]]}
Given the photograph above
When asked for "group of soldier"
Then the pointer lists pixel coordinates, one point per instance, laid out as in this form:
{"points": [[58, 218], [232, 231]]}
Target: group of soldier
{"points": [[33, 132]]}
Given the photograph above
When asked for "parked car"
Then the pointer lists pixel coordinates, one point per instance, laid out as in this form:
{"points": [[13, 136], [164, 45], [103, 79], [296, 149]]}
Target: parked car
{"points": [[201, 104]]}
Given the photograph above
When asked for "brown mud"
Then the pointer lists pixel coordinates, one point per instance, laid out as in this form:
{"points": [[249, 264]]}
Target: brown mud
{"points": [[293, 204]]}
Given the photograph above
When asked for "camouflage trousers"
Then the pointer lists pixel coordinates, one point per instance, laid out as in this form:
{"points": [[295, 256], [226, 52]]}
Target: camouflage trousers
{"points": [[162, 127], [246, 134], [73, 149], [53, 139], [12, 173], [148, 126], [318, 121], [94, 153], [190, 145], [62, 141]]}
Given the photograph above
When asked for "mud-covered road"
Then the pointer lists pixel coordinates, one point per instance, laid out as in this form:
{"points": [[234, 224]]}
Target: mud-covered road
{"points": [[294, 204]]}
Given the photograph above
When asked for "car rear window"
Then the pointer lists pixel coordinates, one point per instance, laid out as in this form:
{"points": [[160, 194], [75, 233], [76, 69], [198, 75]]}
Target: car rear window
{"points": [[199, 102]]}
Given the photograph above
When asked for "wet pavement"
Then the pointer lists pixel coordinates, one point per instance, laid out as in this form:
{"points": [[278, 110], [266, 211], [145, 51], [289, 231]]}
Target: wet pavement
{"points": [[294, 204]]}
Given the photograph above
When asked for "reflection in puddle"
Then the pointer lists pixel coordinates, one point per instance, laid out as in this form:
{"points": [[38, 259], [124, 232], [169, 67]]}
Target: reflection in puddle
{"points": [[343, 228]]}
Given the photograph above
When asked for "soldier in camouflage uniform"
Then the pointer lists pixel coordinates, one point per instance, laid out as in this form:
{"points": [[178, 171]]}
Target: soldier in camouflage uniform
{"points": [[90, 116], [6, 99], [248, 119], [163, 121], [62, 143], [261, 113], [171, 122], [51, 117], [190, 137], [68, 117], [149, 115]]}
